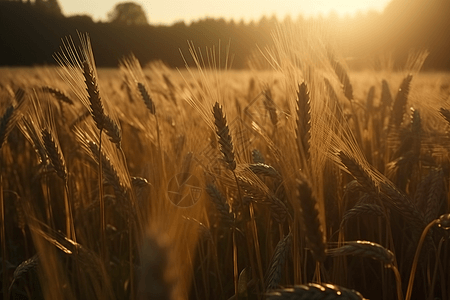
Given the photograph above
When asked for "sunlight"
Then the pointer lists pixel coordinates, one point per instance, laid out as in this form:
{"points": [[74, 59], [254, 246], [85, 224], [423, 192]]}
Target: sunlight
{"points": [[342, 8], [170, 11]]}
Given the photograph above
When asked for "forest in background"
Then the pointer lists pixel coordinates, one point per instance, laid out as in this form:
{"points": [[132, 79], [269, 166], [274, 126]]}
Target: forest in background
{"points": [[30, 32]]}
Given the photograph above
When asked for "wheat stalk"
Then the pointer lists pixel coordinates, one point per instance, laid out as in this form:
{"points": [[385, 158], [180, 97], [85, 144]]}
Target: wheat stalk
{"points": [[11, 116], [396, 199], [112, 129], [358, 172], [269, 105], [369, 105], [257, 157], [422, 189], [386, 97], [277, 262], [59, 95], [445, 113], [364, 249], [54, 153], [401, 99], [363, 209], [223, 134], [343, 78], [278, 209], [27, 272], [310, 220], [112, 175], [220, 203], [147, 99], [331, 92], [303, 120], [95, 102], [264, 170], [102, 121], [435, 195], [353, 187]]}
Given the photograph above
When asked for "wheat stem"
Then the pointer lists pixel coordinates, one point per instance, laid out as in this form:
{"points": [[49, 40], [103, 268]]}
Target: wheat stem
{"points": [[416, 258], [235, 264], [398, 282], [256, 243], [2, 222], [101, 201]]}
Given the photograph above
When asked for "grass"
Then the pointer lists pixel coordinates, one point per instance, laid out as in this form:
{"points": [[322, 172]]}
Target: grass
{"points": [[306, 181]]}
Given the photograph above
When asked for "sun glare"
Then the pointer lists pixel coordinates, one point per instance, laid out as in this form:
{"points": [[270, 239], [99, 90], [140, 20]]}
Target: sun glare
{"points": [[344, 7]]}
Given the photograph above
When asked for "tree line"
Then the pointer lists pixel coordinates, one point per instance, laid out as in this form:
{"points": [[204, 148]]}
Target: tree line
{"points": [[30, 32]]}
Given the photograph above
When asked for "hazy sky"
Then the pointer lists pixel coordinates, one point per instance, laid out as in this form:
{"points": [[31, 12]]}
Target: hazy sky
{"points": [[170, 11]]}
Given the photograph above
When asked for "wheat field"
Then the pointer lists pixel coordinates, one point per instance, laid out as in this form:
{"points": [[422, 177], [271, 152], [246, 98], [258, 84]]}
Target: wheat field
{"points": [[301, 181]]}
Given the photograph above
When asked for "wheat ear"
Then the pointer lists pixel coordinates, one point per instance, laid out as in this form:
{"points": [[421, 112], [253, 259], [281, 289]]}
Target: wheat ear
{"points": [[436, 195], [445, 113], [269, 105], [147, 99], [363, 209], [223, 133], [264, 170], [102, 121], [220, 202], [364, 249], [257, 157], [11, 116], [226, 148], [54, 154], [313, 291], [343, 78], [276, 265], [303, 120], [401, 99], [358, 172], [59, 95], [110, 172], [27, 272], [95, 102], [386, 97]]}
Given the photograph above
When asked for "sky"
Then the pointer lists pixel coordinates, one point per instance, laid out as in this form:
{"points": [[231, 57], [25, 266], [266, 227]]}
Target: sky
{"points": [[169, 11]]}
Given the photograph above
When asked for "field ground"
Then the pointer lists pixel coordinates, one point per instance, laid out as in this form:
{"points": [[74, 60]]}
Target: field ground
{"points": [[209, 185]]}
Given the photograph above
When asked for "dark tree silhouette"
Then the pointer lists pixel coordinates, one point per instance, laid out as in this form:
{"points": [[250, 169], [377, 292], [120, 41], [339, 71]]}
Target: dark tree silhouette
{"points": [[30, 32], [49, 6], [128, 13]]}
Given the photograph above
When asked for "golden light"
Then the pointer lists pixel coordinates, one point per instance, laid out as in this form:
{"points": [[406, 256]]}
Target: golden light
{"points": [[170, 11]]}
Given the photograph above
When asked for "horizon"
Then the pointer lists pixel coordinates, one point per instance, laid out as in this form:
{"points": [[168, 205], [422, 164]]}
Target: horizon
{"points": [[173, 11]]}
